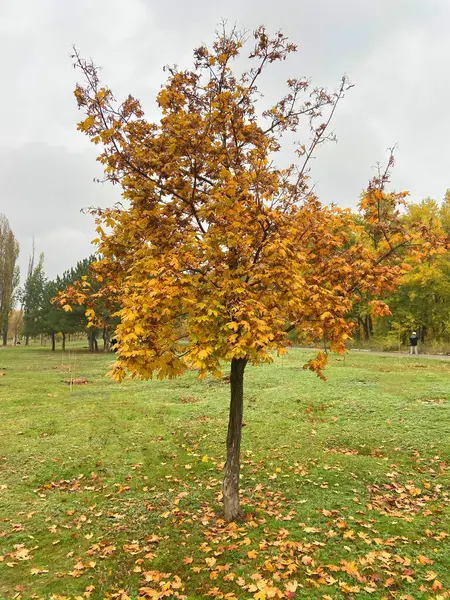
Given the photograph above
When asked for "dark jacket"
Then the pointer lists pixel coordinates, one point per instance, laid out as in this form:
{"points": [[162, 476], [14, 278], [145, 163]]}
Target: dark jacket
{"points": [[413, 340]]}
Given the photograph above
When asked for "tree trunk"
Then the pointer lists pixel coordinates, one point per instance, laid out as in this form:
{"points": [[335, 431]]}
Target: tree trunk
{"points": [[423, 331], [366, 327], [63, 342], [5, 338], [53, 342], [92, 337], [27, 340], [232, 466], [106, 340]]}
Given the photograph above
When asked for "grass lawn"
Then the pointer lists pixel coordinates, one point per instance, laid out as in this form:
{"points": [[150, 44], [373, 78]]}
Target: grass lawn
{"points": [[114, 491]]}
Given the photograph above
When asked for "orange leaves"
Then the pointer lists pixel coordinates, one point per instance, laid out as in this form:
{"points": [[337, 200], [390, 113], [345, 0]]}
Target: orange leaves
{"points": [[423, 560], [317, 365], [402, 501], [163, 585], [86, 125], [379, 308]]}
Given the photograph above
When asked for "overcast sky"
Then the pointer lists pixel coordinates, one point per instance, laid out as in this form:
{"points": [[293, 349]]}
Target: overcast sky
{"points": [[396, 52]]}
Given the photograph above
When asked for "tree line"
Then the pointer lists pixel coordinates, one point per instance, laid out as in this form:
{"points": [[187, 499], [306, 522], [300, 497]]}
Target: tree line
{"points": [[30, 312], [421, 300], [42, 316]]}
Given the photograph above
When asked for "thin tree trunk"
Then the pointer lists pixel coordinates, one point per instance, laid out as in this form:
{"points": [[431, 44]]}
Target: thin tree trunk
{"points": [[366, 328], [27, 340], [232, 466], [53, 342], [93, 344], [106, 340], [359, 330], [5, 338], [63, 342]]}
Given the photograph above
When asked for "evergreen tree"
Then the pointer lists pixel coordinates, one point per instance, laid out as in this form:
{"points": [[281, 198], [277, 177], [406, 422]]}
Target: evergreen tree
{"points": [[33, 298]]}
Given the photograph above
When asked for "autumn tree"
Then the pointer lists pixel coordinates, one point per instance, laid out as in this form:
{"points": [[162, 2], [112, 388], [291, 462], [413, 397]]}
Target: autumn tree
{"points": [[422, 299], [213, 232], [9, 274]]}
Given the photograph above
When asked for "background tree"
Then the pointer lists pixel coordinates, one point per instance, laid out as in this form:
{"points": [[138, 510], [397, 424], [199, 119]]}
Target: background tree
{"points": [[15, 325], [422, 299], [43, 317], [53, 320], [9, 274], [26, 299], [33, 299], [213, 232], [80, 296], [60, 321]]}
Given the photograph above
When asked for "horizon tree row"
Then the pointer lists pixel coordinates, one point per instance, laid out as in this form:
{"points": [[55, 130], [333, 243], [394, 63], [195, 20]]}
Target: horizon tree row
{"points": [[42, 316]]}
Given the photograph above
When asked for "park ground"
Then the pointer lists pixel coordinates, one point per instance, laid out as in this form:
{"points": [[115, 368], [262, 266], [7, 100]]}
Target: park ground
{"points": [[114, 491]]}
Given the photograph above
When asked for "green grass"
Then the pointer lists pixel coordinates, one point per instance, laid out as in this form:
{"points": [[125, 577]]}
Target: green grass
{"points": [[345, 483]]}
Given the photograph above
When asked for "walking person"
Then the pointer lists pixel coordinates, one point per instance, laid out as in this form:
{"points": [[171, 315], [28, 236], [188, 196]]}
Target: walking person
{"points": [[413, 343]]}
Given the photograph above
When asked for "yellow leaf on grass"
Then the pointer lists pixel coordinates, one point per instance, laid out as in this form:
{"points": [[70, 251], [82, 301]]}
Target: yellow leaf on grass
{"points": [[210, 561], [36, 571]]}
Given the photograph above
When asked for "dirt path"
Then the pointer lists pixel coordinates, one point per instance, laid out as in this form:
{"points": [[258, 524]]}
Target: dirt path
{"points": [[396, 354], [403, 354]]}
